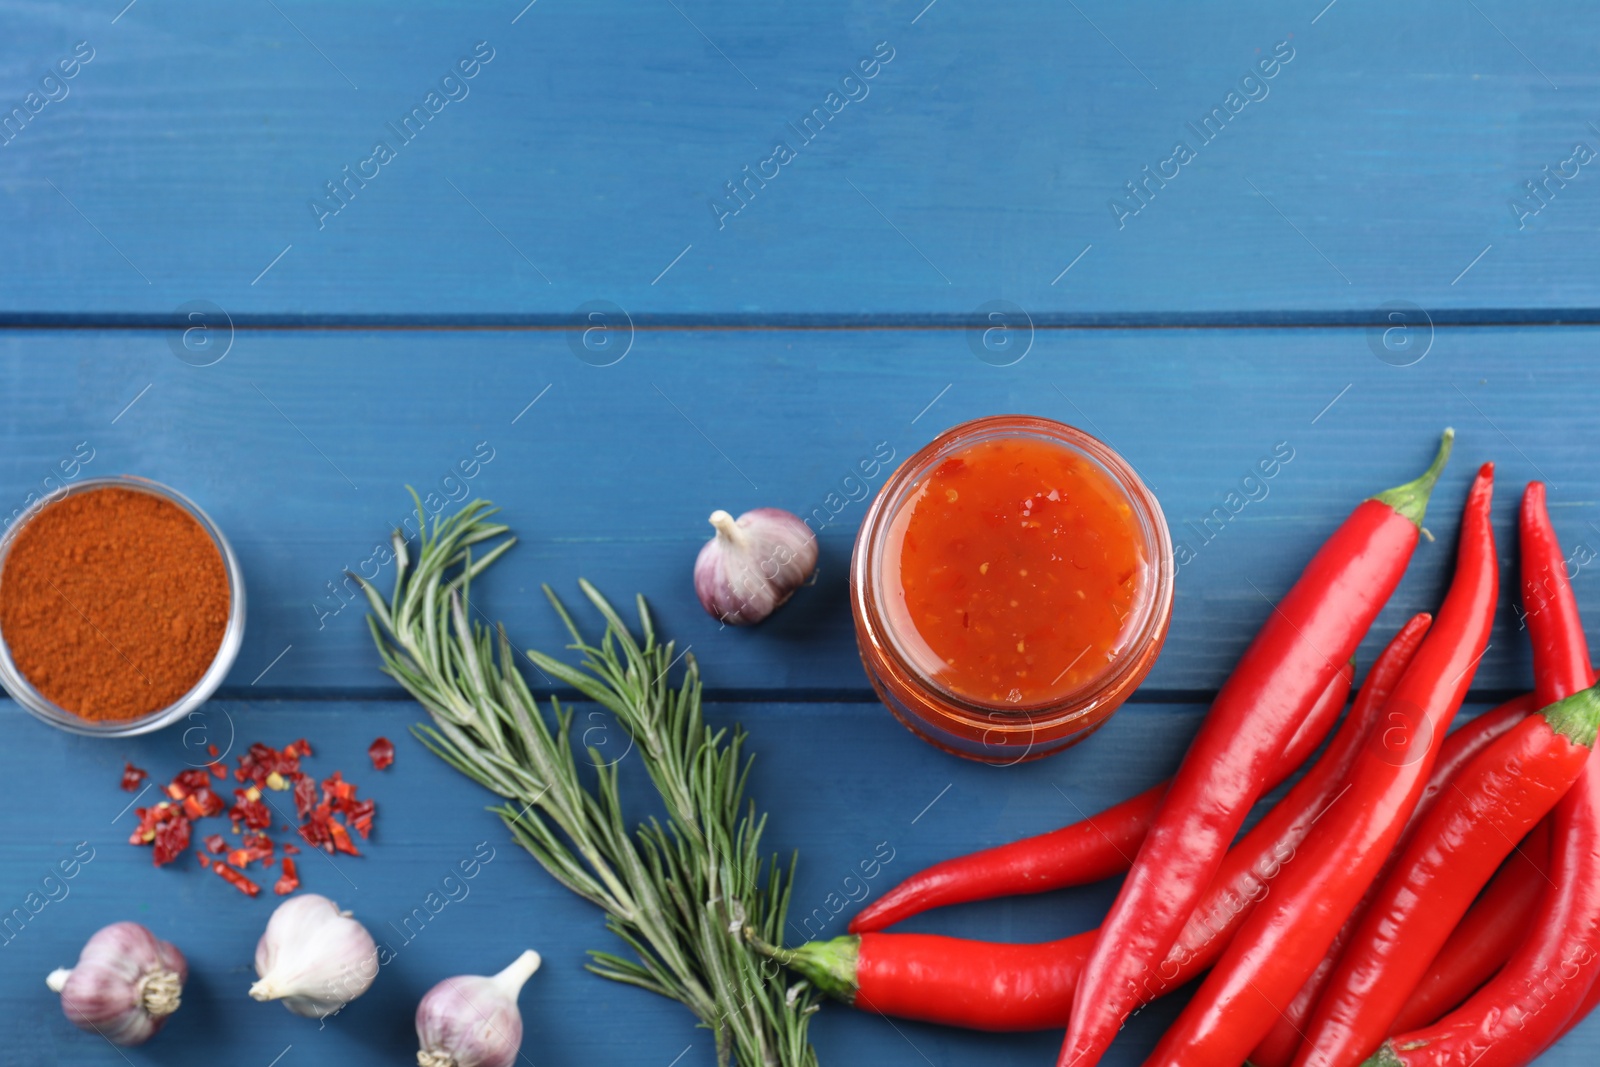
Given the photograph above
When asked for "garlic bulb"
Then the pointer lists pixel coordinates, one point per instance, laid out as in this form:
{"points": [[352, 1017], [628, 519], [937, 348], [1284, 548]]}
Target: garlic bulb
{"points": [[126, 983], [471, 1021], [314, 957], [754, 564]]}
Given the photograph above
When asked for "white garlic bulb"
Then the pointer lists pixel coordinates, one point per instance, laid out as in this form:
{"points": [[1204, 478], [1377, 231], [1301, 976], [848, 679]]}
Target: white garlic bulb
{"points": [[126, 983], [472, 1021], [753, 564], [314, 957]]}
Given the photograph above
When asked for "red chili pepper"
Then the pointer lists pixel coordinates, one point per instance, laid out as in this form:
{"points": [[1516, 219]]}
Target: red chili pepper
{"points": [[1024, 987], [1289, 932], [1494, 803], [1084, 852], [1485, 938], [290, 879], [132, 777], [1460, 748], [1589, 1004], [974, 984], [235, 879], [1310, 633], [382, 753], [1525, 1007]]}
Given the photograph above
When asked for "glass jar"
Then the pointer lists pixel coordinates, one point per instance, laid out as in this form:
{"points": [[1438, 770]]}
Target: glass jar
{"points": [[23, 692], [898, 648]]}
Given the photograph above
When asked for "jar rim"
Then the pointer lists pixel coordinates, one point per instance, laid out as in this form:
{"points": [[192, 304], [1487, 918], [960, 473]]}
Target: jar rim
{"points": [[1154, 604], [42, 707]]}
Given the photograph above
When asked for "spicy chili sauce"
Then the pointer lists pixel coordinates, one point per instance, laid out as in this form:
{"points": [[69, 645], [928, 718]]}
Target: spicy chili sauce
{"points": [[1012, 571]]}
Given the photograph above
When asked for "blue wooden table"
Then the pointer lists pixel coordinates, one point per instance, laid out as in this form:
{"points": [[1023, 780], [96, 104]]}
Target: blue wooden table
{"points": [[630, 263]]}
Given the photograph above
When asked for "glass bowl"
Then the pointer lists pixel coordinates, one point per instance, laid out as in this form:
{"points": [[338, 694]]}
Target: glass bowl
{"points": [[23, 692], [992, 732]]}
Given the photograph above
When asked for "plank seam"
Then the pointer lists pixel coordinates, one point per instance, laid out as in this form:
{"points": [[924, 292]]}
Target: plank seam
{"points": [[1220, 320]]}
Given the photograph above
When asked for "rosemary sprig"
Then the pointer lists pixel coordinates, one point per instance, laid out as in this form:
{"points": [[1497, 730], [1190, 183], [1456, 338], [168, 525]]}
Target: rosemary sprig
{"points": [[678, 893]]}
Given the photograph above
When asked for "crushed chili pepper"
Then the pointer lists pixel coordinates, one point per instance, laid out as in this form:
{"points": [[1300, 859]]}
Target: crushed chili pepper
{"points": [[382, 753], [171, 840], [289, 881], [327, 813], [132, 777], [237, 879], [305, 796], [340, 838]]}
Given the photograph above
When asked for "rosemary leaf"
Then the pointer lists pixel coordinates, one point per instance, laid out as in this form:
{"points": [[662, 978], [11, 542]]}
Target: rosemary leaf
{"points": [[676, 891]]}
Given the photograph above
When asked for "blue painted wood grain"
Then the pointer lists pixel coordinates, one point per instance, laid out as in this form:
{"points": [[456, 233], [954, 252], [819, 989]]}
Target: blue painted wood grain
{"points": [[1379, 164], [174, 174], [841, 781], [300, 443]]}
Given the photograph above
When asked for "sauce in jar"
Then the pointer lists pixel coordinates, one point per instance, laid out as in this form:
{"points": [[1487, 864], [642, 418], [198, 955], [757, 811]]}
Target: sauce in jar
{"points": [[1011, 585], [1011, 571]]}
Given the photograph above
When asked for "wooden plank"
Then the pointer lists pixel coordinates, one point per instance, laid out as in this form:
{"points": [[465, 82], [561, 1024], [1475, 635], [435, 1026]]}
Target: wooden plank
{"points": [[820, 772], [300, 443], [979, 163]]}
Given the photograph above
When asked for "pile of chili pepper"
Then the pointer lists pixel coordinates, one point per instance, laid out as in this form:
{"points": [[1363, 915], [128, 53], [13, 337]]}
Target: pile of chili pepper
{"points": [[325, 812], [1419, 898]]}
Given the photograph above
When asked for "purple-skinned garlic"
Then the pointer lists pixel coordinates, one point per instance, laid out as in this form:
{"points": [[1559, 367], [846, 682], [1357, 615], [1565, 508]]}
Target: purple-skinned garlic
{"points": [[473, 1021], [753, 564], [127, 981]]}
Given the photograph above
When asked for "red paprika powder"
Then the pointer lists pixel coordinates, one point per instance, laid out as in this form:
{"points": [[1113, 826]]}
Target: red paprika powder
{"points": [[113, 602]]}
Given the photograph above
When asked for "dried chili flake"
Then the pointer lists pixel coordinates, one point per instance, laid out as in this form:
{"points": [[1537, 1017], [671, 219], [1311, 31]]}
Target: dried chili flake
{"points": [[249, 810], [205, 860], [291, 849], [289, 881], [336, 790], [236, 879], [132, 777], [211, 750], [193, 780], [218, 769], [215, 843], [305, 796], [360, 814], [151, 819], [314, 830], [340, 838], [255, 847], [171, 840], [203, 803], [382, 753]]}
